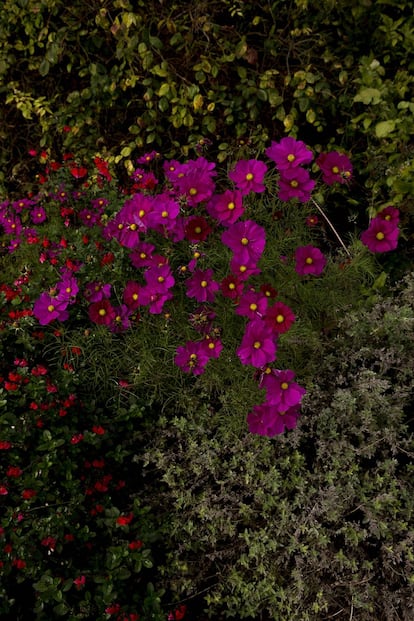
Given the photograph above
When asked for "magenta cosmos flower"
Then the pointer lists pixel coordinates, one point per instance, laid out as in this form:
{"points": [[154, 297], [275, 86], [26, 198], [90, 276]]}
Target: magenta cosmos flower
{"points": [[246, 239], [381, 235], [227, 208], [289, 153], [390, 213], [336, 167], [47, 308], [309, 260], [258, 346], [281, 390], [295, 183], [192, 357], [102, 312], [201, 286], [267, 420], [248, 175]]}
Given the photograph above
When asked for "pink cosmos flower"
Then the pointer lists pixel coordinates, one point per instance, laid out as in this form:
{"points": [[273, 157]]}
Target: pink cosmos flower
{"points": [[252, 304], [248, 175], [289, 153], [246, 239], [390, 213], [212, 347], [227, 208], [268, 420], [295, 183], [381, 235], [159, 278], [243, 269], [336, 167], [164, 213], [258, 346], [141, 256], [281, 390], [201, 286], [47, 308], [232, 286], [309, 260], [192, 357]]}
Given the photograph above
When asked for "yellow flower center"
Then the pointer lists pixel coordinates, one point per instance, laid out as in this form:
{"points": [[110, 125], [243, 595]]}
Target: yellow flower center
{"points": [[253, 306], [193, 191], [133, 227], [309, 260], [50, 308], [197, 229], [280, 319], [380, 236], [142, 255], [387, 217], [231, 206], [204, 283], [141, 213], [242, 268], [291, 157], [120, 226], [160, 278], [244, 241], [232, 286], [102, 312], [249, 176], [284, 385], [335, 170], [164, 214], [257, 344], [196, 255], [211, 345], [135, 296], [294, 183]]}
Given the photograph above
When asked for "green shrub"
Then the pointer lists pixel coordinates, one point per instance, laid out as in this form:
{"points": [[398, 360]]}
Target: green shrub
{"points": [[317, 523]]}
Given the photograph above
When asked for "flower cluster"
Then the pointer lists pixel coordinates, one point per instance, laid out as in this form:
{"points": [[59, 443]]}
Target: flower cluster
{"points": [[165, 238]]}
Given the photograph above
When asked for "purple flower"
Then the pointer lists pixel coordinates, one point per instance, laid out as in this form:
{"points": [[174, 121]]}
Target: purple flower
{"points": [[195, 180], [281, 390], [142, 255], [252, 304], [38, 215], [336, 167], [227, 208], [159, 278], [246, 239], [390, 213], [289, 153], [121, 320], [295, 183], [248, 175], [279, 318], [381, 235], [192, 358], [201, 286], [96, 291], [212, 347], [67, 288], [258, 346], [309, 260], [164, 212], [135, 295], [47, 308]]}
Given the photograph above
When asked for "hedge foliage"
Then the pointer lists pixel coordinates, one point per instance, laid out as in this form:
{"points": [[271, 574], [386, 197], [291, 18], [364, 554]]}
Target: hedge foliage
{"points": [[116, 76]]}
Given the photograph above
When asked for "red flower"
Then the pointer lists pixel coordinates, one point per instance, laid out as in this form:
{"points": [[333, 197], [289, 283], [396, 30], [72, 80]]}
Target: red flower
{"points": [[78, 437], [100, 431], [28, 493], [135, 545], [78, 172], [124, 520], [5, 445], [14, 471], [79, 582], [19, 563], [3, 490]]}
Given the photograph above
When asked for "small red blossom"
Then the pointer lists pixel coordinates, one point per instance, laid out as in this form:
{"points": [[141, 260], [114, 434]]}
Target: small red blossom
{"points": [[78, 437], [14, 472], [19, 563], [124, 520], [79, 582], [5, 445], [100, 431], [27, 494], [135, 545]]}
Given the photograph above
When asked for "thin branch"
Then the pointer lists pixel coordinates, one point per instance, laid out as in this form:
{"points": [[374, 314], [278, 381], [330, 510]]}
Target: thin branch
{"points": [[323, 214]]}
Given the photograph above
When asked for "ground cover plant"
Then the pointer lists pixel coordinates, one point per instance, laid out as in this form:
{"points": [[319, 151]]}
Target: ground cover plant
{"points": [[190, 290]]}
